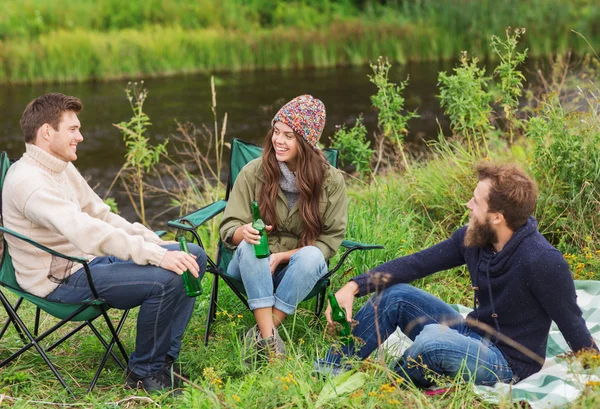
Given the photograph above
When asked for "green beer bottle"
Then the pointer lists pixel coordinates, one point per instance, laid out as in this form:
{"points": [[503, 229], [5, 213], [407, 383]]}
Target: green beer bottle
{"points": [[338, 315], [192, 284], [261, 249]]}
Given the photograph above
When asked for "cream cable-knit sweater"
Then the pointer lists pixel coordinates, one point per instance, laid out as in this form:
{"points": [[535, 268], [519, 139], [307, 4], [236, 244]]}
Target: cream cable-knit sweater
{"points": [[48, 200]]}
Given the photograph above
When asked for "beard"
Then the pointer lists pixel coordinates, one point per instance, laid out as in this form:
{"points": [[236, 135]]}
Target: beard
{"points": [[480, 234]]}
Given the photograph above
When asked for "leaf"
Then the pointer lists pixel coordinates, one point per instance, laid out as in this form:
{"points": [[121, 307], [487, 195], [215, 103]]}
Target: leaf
{"points": [[341, 384]]}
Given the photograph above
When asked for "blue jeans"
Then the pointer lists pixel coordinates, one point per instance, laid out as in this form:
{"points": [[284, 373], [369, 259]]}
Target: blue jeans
{"points": [[165, 309], [443, 342], [287, 287]]}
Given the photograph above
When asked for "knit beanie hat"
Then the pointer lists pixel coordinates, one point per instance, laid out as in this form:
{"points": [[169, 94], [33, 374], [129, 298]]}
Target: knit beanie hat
{"points": [[305, 115]]}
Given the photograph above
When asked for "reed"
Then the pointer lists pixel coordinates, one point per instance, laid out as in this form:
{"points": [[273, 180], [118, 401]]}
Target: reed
{"points": [[107, 39]]}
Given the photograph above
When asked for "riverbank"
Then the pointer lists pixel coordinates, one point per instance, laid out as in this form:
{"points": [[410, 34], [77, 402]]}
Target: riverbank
{"points": [[40, 42]]}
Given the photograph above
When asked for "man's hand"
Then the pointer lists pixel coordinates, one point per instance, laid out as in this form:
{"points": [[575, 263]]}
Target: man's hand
{"points": [[179, 261], [345, 298]]}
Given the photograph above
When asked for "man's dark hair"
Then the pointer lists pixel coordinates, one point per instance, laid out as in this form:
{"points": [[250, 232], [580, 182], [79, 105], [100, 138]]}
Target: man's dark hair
{"points": [[512, 192], [47, 109]]}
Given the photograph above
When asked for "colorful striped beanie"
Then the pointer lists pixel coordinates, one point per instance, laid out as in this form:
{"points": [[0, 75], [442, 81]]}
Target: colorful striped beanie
{"points": [[305, 115]]}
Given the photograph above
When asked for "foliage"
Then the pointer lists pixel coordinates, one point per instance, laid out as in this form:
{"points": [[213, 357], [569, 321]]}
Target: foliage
{"points": [[190, 174], [141, 157], [42, 41], [511, 80], [567, 166], [112, 204], [466, 101], [353, 146], [392, 122]]}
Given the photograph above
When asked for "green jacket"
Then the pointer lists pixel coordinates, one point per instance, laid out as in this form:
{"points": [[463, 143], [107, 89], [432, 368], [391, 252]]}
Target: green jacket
{"points": [[333, 208]]}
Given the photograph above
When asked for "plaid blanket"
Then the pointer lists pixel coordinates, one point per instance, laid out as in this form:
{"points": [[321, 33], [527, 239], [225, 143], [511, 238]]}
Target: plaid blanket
{"points": [[558, 383]]}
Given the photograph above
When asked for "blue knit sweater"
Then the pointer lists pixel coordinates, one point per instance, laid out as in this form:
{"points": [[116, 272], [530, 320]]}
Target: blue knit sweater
{"points": [[518, 291]]}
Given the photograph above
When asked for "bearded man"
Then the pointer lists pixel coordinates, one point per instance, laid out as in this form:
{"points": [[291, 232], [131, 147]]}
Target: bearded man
{"points": [[521, 283]]}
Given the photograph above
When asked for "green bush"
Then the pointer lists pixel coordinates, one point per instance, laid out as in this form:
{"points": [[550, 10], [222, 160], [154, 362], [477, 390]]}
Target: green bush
{"points": [[566, 163], [354, 147]]}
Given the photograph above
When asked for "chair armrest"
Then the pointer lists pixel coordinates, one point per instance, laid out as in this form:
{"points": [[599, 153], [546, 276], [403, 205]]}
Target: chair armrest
{"points": [[351, 246], [196, 219], [42, 247], [355, 245], [80, 260]]}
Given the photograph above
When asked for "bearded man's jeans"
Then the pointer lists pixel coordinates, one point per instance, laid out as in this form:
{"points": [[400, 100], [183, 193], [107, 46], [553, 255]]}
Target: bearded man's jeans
{"points": [[165, 309], [442, 340], [286, 288]]}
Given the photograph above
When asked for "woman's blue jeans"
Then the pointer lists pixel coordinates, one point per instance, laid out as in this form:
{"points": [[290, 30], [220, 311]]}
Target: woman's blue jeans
{"points": [[443, 342], [286, 288], [165, 309]]}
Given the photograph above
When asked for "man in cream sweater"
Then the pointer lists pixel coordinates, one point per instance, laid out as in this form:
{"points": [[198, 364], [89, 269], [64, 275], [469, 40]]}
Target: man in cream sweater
{"points": [[46, 198]]}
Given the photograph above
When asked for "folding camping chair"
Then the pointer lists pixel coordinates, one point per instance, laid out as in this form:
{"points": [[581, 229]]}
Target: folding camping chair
{"points": [[84, 313], [242, 153]]}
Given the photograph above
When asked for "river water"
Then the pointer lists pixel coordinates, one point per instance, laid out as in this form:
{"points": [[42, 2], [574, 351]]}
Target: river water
{"points": [[249, 98]]}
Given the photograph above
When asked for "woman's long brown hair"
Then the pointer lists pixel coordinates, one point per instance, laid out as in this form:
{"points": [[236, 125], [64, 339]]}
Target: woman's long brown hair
{"points": [[310, 171]]}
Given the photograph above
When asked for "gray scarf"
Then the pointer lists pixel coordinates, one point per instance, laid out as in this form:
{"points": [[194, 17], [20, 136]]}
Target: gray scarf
{"points": [[289, 184]]}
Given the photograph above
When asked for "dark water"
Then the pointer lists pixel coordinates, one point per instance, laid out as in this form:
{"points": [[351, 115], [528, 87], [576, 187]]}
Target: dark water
{"points": [[250, 100]]}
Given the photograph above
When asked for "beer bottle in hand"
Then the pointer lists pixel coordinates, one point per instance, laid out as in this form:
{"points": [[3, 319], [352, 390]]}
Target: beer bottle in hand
{"points": [[338, 315], [261, 249], [192, 284]]}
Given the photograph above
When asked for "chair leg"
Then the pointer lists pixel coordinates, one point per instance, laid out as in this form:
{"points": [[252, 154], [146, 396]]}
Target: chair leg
{"points": [[320, 303], [114, 334], [109, 351], [212, 310], [34, 342], [67, 336], [9, 320], [36, 328]]}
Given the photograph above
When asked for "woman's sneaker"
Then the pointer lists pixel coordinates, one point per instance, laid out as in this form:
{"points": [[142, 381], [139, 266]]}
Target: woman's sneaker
{"points": [[272, 346], [255, 346]]}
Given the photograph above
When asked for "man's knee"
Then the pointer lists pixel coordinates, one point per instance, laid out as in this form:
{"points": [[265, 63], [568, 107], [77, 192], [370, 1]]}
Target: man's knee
{"points": [[174, 282], [429, 346], [396, 293]]}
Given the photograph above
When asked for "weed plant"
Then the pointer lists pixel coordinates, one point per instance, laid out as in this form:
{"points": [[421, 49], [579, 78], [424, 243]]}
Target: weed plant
{"points": [[141, 157], [354, 148]]}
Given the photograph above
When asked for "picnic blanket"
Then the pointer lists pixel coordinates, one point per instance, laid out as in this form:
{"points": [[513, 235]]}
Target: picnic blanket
{"points": [[558, 383]]}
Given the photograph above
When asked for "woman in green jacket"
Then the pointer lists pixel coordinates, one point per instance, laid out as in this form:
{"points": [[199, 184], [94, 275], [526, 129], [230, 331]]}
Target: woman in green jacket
{"points": [[303, 201]]}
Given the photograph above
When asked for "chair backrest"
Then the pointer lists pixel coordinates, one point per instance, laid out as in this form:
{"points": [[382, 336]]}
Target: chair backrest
{"points": [[8, 276], [7, 270], [243, 152]]}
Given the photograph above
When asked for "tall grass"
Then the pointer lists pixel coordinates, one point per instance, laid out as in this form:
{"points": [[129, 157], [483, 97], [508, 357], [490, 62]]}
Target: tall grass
{"points": [[41, 41]]}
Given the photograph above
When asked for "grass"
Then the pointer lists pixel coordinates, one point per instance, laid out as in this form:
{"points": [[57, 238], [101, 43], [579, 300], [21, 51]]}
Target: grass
{"points": [[106, 39], [404, 211], [220, 379]]}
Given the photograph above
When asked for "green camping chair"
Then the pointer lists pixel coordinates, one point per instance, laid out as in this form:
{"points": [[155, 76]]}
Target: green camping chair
{"points": [[242, 153], [84, 313]]}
